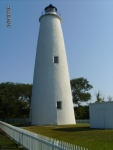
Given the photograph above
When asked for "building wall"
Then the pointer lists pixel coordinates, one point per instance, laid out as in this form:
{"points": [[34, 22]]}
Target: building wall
{"points": [[51, 81], [101, 115]]}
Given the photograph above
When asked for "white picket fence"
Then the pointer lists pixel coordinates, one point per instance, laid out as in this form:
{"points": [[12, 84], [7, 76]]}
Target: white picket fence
{"points": [[32, 141]]}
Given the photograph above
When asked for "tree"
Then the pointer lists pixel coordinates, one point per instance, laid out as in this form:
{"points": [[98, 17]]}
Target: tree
{"points": [[14, 100], [109, 98], [99, 97], [80, 88], [82, 112]]}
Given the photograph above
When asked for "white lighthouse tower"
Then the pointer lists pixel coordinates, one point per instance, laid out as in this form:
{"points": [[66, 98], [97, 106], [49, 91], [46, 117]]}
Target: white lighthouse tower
{"points": [[51, 101]]}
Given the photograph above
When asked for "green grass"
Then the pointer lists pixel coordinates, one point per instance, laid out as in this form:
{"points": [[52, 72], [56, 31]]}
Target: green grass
{"points": [[6, 143], [79, 134]]}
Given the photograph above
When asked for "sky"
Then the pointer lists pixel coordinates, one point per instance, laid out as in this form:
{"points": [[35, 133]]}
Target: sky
{"points": [[88, 34]]}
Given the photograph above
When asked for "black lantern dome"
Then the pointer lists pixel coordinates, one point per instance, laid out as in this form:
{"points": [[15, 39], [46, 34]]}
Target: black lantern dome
{"points": [[50, 8]]}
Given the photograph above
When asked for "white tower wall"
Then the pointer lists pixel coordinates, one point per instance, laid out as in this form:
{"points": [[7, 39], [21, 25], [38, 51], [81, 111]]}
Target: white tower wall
{"points": [[51, 80]]}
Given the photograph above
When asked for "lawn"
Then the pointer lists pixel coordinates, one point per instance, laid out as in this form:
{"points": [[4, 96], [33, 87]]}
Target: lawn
{"points": [[6, 143], [79, 134]]}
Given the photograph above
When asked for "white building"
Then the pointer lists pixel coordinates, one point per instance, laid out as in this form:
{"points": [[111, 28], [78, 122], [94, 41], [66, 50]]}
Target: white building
{"points": [[101, 115], [51, 94]]}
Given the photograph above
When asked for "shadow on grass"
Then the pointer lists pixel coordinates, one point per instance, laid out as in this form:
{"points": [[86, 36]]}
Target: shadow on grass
{"points": [[73, 129]]}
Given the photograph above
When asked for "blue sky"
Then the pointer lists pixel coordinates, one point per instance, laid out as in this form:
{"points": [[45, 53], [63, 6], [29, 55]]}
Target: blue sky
{"points": [[88, 33]]}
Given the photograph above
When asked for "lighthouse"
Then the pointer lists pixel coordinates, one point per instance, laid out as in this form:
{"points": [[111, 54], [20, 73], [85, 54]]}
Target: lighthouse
{"points": [[51, 102]]}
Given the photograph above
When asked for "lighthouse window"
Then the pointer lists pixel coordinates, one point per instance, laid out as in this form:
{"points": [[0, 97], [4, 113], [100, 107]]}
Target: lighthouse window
{"points": [[56, 59], [59, 105]]}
